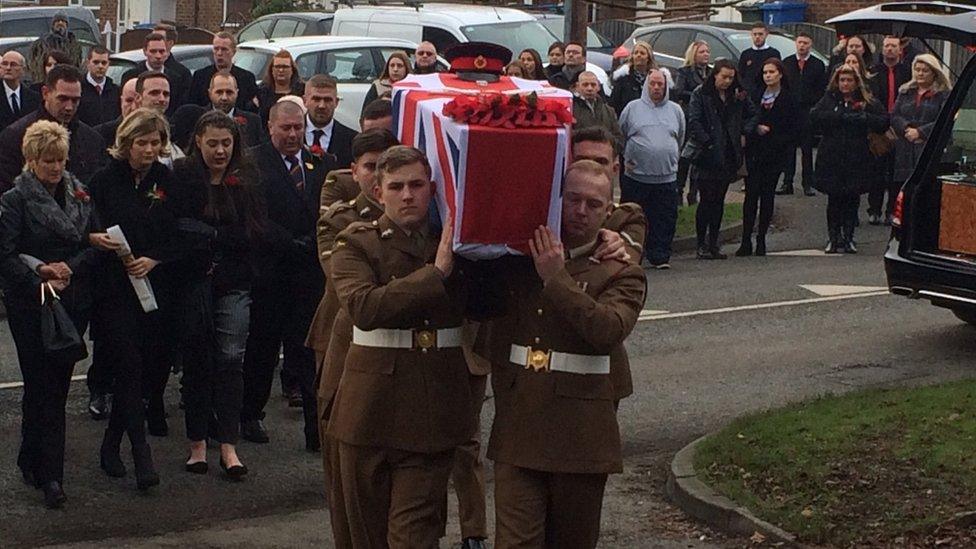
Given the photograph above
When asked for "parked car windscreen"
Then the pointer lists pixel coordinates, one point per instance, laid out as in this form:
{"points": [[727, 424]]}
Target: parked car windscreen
{"points": [[516, 36], [253, 61]]}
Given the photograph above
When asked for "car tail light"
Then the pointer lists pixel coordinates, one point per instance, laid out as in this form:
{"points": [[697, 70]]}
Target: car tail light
{"points": [[621, 51], [899, 210]]}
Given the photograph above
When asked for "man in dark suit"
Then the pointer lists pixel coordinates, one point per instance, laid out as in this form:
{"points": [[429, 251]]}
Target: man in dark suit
{"points": [[751, 60], [99, 95], [128, 102], [807, 78], [287, 291], [891, 73], [18, 100], [324, 135], [224, 48], [223, 97], [156, 52], [179, 74], [61, 94]]}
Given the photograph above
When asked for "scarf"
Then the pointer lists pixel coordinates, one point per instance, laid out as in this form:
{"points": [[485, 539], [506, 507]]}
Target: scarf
{"points": [[638, 75], [70, 223]]}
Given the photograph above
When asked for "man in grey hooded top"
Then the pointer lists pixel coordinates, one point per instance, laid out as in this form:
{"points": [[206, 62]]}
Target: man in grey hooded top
{"points": [[653, 129]]}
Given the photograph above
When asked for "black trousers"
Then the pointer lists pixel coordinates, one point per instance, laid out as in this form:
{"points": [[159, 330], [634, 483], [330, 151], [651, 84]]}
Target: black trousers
{"points": [[885, 184], [281, 312], [807, 140], [46, 384], [842, 215], [711, 207], [213, 379], [760, 197]]}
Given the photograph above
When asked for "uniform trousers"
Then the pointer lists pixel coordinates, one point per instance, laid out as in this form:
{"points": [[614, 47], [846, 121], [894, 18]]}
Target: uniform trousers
{"points": [[388, 497], [468, 472], [535, 509], [213, 380], [46, 384], [281, 312]]}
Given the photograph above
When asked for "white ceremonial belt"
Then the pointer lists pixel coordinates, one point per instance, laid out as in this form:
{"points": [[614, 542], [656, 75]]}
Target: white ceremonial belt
{"points": [[542, 360], [422, 339]]}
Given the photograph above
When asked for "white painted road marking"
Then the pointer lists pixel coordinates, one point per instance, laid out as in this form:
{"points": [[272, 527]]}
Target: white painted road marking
{"points": [[757, 306], [827, 290], [804, 253], [19, 384]]}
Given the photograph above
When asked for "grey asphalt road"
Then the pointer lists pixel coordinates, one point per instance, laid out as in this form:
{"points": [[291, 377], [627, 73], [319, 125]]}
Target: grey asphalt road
{"points": [[692, 374]]}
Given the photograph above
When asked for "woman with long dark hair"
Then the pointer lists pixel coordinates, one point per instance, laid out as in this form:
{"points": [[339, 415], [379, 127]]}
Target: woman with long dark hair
{"points": [[768, 144], [221, 220], [397, 68], [532, 62], [131, 192], [845, 165], [280, 79], [556, 54], [718, 114]]}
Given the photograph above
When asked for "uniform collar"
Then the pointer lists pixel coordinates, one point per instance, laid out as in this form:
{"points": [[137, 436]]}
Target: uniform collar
{"points": [[366, 207]]}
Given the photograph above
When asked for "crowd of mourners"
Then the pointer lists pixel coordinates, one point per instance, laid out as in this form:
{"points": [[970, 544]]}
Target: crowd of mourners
{"points": [[207, 225]]}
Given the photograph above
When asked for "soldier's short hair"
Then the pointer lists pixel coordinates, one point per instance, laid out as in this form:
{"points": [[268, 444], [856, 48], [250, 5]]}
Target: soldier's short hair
{"points": [[590, 168], [375, 140], [321, 81], [397, 157], [376, 109], [62, 72], [148, 75]]}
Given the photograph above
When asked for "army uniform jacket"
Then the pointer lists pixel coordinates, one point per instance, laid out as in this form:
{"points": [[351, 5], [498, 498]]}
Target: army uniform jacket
{"points": [[339, 186], [416, 400], [558, 421], [628, 219]]}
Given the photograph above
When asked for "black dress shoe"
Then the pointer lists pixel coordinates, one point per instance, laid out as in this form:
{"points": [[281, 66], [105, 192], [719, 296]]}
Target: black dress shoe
{"points": [[254, 432], [197, 467], [98, 407], [235, 472], [28, 477], [54, 497], [745, 249], [702, 253], [474, 543], [808, 191]]}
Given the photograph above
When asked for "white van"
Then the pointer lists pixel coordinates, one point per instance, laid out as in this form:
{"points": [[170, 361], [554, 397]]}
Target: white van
{"points": [[447, 24]]}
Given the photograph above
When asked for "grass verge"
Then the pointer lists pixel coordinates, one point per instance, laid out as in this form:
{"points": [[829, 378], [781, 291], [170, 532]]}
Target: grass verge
{"points": [[880, 467], [686, 218]]}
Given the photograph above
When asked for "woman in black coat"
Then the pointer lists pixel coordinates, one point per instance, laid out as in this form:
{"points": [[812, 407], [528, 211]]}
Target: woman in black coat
{"points": [[131, 192], [768, 146], [688, 77], [718, 116], [845, 165], [221, 220], [45, 222]]}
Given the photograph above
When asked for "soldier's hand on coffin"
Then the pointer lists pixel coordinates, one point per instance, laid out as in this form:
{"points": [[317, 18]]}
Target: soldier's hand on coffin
{"points": [[139, 268], [103, 241], [444, 260], [547, 253], [611, 246]]}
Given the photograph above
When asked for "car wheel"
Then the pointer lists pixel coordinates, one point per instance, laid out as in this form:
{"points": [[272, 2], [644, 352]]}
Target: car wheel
{"points": [[966, 315]]}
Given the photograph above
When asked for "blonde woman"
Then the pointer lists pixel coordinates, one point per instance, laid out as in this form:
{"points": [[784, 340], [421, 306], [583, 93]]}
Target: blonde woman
{"points": [[916, 108], [397, 68], [691, 75], [845, 165], [132, 192], [628, 79], [45, 222]]}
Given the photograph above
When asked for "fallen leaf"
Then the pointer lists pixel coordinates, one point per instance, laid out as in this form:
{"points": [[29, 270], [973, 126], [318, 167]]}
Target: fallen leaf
{"points": [[757, 538], [807, 513]]}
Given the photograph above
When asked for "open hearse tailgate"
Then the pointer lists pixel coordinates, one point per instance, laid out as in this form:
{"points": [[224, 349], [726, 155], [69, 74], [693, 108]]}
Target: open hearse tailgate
{"points": [[931, 20]]}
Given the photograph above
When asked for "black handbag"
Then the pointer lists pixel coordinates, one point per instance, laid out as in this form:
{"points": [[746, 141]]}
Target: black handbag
{"points": [[59, 336]]}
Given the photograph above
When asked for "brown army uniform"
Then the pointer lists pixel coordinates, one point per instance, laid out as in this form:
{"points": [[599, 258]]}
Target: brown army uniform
{"points": [[339, 186], [627, 218], [555, 436], [403, 403]]}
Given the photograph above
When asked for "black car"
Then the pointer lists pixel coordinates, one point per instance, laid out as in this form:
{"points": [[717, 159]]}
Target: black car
{"points": [[726, 40], [932, 251], [284, 25]]}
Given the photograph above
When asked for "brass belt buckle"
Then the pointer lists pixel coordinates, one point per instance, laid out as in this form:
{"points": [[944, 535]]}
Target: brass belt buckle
{"points": [[425, 339], [537, 359]]}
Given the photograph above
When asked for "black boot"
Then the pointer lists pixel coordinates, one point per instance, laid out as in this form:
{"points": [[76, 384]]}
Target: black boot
{"points": [[745, 249], [713, 248], [109, 458], [761, 244], [54, 497], [146, 476]]}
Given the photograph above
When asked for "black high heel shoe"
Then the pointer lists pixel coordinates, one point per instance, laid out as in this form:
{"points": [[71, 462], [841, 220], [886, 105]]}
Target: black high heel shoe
{"points": [[54, 497], [235, 472]]}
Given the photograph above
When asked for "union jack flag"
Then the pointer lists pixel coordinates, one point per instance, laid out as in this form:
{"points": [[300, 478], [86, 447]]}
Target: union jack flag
{"points": [[499, 184]]}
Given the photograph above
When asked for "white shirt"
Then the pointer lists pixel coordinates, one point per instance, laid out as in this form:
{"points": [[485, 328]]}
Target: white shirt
{"points": [[326, 138], [764, 47], [7, 92], [92, 81]]}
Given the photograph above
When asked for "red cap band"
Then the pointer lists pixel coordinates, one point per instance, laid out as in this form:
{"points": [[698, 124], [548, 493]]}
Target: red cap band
{"points": [[477, 64]]}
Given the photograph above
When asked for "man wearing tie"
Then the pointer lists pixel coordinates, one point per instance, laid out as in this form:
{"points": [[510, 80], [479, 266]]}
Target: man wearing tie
{"points": [[19, 100], [99, 95], [807, 77], [288, 289], [324, 135]]}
